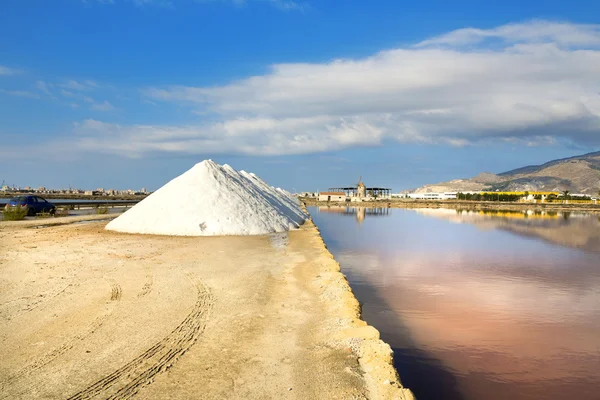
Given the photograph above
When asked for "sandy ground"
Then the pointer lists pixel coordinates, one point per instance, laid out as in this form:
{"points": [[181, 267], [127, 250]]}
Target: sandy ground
{"points": [[87, 313]]}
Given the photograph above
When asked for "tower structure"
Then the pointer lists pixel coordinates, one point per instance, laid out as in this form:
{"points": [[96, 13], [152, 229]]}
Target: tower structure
{"points": [[361, 190]]}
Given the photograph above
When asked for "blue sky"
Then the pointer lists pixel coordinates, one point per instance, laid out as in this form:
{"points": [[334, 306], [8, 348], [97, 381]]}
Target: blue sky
{"points": [[307, 94]]}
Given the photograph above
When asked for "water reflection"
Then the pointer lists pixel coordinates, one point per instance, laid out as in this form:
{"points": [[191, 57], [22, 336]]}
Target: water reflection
{"points": [[578, 230], [475, 304], [358, 212]]}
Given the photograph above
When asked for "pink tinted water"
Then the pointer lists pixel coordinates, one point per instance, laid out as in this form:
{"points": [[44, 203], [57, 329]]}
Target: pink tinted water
{"points": [[478, 306]]}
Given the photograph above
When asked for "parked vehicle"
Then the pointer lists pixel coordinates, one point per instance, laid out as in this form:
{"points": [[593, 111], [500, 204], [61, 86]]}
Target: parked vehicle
{"points": [[33, 204]]}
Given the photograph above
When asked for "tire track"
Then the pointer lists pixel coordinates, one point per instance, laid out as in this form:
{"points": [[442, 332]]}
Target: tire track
{"points": [[39, 300], [147, 288], [50, 356], [45, 360], [125, 382], [115, 291]]}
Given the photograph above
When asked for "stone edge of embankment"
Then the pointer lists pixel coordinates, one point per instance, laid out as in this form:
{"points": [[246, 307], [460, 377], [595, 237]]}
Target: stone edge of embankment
{"points": [[375, 356]]}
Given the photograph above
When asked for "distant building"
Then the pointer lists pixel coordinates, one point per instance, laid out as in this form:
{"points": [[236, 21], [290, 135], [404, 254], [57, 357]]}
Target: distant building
{"points": [[362, 193], [361, 190], [332, 196], [432, 196]]}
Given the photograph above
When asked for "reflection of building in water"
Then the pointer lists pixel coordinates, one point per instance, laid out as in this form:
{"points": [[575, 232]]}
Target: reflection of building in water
{"points": [[572, 229], [519, 214], [359, 212], [464, 214]]}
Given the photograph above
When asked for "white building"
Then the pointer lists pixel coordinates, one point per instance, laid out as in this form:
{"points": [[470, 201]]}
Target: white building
{"points": [[433, 196], [332, 196]]}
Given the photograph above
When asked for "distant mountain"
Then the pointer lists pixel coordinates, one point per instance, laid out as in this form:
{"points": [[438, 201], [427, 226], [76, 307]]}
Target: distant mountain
{"points": [[580, 174]]}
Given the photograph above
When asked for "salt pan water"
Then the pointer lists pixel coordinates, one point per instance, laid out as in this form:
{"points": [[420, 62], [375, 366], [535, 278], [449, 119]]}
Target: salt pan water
{"points": [[497, 305]]}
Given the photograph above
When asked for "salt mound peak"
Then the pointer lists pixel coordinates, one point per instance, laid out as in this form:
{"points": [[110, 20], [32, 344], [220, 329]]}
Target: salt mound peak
{"points": [[211, 199]]}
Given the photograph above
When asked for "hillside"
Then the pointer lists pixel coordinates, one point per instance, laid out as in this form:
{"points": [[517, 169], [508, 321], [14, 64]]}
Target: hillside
{"points": [[580, 174]]}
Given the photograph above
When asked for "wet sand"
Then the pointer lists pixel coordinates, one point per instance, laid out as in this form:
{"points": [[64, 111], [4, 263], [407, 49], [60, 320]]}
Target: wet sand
{"points": [[87, 313]]}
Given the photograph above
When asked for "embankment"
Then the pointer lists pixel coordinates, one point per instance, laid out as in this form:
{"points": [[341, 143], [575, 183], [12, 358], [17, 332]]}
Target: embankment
{"points": [[374, 355]]}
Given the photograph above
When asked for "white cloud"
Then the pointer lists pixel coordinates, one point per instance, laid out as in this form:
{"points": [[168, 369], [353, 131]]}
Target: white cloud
{"points": [[79, 86], [20, 93], [90, 84], [247, 136], [43, 87], [564, 34], [281, 4], [8, 71], [535, 83], [104, 106], [161, 3], [76, 94], [66, 93]]}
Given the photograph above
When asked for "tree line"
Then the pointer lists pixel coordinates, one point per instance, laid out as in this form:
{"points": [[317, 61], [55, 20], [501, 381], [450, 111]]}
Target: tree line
{"points": [[488, 196], [516, 197]]}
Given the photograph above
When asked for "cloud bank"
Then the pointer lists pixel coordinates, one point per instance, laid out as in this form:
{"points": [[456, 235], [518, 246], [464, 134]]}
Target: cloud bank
{"points": [[531, 83]]}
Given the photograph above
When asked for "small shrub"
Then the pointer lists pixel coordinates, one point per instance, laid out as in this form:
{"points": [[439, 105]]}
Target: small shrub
{"points": [[15, 213], [102, 210]]}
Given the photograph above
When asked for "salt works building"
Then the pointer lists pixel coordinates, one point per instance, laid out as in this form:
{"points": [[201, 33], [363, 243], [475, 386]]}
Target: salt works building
{"points": [[360, 192]]}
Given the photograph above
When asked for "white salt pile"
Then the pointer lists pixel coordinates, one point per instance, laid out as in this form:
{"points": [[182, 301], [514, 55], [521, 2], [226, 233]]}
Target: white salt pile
{"points": [[210, 199]]}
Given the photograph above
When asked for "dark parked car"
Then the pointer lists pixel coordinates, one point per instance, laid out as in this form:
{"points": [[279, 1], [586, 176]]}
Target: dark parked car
{"points": [[33, 204]]}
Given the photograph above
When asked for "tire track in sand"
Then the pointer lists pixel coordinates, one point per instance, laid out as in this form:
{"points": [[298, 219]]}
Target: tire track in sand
{"points": [[147, 288], [115, 294], [125, 382], [115, 290]]}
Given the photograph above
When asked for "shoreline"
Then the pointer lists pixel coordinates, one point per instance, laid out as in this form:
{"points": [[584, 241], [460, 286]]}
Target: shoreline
{"points": [[457, 204], [375, 356], [234, 317]]}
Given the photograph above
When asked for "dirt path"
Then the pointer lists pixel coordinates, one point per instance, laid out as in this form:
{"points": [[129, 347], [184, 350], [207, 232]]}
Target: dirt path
{"points": [[86, 313]]}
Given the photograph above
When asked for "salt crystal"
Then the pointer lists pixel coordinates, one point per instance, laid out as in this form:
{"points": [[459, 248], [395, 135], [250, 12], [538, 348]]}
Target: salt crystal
{"points": [[210, 199]]}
